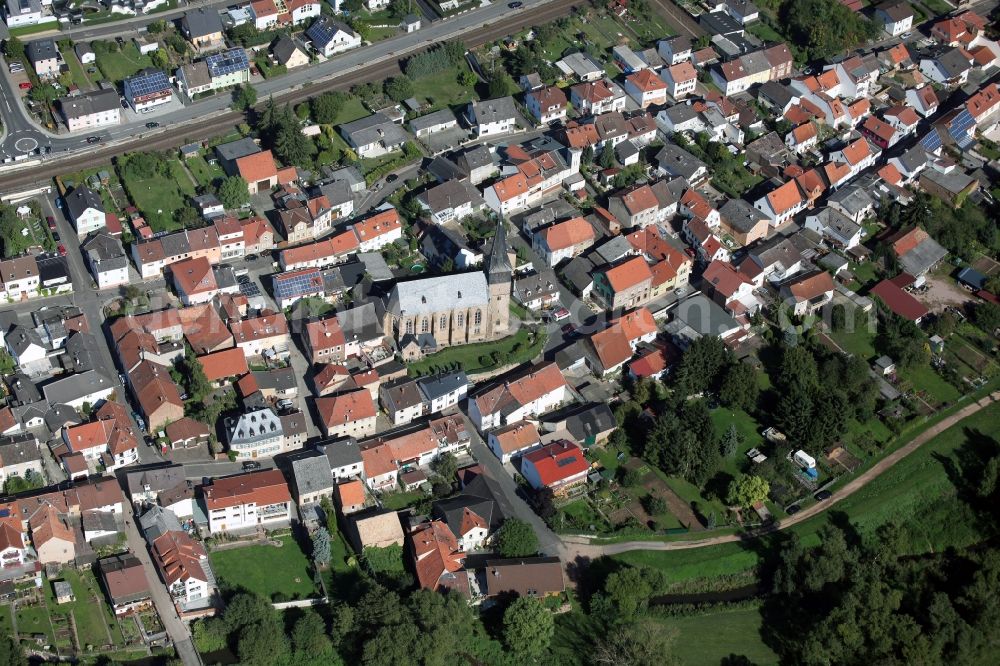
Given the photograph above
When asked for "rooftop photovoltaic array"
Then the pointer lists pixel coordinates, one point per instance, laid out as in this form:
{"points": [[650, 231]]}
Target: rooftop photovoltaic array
{"points": [[221, 64], [301, 283], [149, 82]]}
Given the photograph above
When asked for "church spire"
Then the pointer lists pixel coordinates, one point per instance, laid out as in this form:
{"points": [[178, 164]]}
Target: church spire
{"points": [[499, 269]]}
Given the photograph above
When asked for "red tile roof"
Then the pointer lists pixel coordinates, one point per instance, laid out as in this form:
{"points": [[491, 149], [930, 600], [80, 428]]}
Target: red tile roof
{"points": [[898, 301], [226, 363], [257, 167], [558, 461], [263, 488], [628, 274], [346, 408], [570, 233]]}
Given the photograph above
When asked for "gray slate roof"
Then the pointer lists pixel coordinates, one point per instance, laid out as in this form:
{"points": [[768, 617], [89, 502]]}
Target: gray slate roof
{"points": [[311, 473], [376, 128], [200, 23], [75, 386], [82, 198], [438, 294], [437, 386]]}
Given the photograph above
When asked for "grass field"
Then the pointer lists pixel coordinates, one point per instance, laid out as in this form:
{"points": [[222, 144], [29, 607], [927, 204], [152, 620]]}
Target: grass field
{"points": [[352, 110], [443, 90], [76, 70], [34, 620], [206, 174], [93, 626], [476, 358], [860, 341], [160, 198], [266, 570], [123, 64], [711, 637], [400, 500], [916, 491], [924, 379]]}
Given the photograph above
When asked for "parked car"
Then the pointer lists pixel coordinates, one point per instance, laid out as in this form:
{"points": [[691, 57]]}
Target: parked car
{"points": [[515, 5], [391, 178], [62, 250], [560, 314], [823, 495], [51, 222], [55, 237], [93, 139], [793, 509], [24, 86], [250, 465], [152, 124]]}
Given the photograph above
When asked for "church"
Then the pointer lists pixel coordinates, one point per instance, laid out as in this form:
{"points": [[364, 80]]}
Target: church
{"points": [[429, 314]]}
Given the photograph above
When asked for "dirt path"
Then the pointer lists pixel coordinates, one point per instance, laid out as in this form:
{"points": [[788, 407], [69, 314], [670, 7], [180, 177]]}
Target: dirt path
{"points": [[572, 548]]}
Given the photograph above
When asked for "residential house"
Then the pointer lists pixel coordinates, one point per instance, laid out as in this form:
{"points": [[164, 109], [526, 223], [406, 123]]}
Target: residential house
{"points": [[895, 16], [79, 388], [252, 501], [289, 52], [263, 335], [186, 433], [350, 496], [90, 110], [349, 414], [916, 251], [540, 389], [125, 583], [108, 438], [44, 57], [257, 433], [582, 66], [311, 478], [438, 559], [646, 88], [158, 396], [85, 209], [184, 567], [681, 79], [451, 200], [374, 135], [147, 90], [563, 240], [19, 456], [624, 285], [546, 105], [948, 67], [513, 440], [558, 466], [674, 49], [330, 36], [743, 222], [259, 170], [835, 227], [597, 97], [537, 577], [535, 292], [203, 28], [492, 117]]}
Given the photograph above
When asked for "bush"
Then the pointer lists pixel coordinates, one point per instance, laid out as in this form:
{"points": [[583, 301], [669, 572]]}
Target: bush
{"points": [[654, 505], [628, 477]]}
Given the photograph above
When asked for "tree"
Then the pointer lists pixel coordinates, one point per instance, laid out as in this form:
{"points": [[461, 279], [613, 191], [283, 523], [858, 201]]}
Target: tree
{"points": [[398, 88], [160, 59], [587, 158], [11, 653], [516, 538], [747, 490], [467, 78], [739, 388], [292, 146], [500, 85], [352, 6], [986, 316], [326, 107], [244, 97], [13, 48], [731, 441], [606, 160], [528, 628], [643, 642], [445, 465], [699, 367], [43, 92], [234, 192], [310, 644], [321, 546], [655, 505], [627, 591]]}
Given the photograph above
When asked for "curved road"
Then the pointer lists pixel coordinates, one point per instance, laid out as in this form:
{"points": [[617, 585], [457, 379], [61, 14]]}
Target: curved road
{"points": [[571, 548]]}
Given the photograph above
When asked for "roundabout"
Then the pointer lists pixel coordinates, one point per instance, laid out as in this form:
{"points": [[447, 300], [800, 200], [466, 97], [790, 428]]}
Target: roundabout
{"points": [[26, 144]]}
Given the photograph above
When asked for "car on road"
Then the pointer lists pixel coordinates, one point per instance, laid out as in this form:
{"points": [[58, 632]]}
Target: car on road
{"points": [[251, 257], [250, 465], [121, 378], [62, 250], [139, 422], [15, 68], [560, 314], [823, 495], [55, 236], [906, 35], [93, 139], [152, 124], [515, 5], [24, 86], [568, 328], [793, 509], [51, 222], [391, 178]]}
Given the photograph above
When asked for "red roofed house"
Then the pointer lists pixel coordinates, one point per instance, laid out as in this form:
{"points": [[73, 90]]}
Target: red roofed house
{"points": [[264, 334], [224, 365], [899, 302], [547, 104], [646, 88], [109, 437], [681, 79], [125, 582], [781, 204], [540, 390], [513, 440], [558, 466], [183, 563], [563, 240], [625, 285], [347, 415], [880, 132], [596, 97], [254, 501], [802, 138], [437, 559], [259, 170], [378, 230], [324, 341], [807, 293]]}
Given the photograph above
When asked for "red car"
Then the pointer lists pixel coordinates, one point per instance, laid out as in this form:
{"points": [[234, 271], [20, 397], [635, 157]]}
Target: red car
{"points": [[25, 86], [52, 222], [62, 250]]}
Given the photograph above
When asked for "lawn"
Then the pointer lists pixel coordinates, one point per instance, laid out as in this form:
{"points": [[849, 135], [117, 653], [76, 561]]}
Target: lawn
{"points": [[401, 500], [6, 628], [266, 570], [650, 28], [159, 198], [932, 386], [34, 620], [916, 492], [746, 426], [938, 7], [478, 357], [864, 274], [860, 341], [441, 90], [764, 32], [76, 71], [353, 109], [713, 636], [122, 64], [206, 174], [92, 627]]}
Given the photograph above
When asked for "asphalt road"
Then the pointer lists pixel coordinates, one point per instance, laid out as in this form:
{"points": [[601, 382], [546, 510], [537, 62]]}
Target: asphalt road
{"points": [[213, 116]]}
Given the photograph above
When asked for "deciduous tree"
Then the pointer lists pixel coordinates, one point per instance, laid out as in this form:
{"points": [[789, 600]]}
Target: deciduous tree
{"points": [[528, 627], [516, 538]]}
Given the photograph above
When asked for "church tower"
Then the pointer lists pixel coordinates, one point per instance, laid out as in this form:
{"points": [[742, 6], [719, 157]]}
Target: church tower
{"points": [[498, 278]]}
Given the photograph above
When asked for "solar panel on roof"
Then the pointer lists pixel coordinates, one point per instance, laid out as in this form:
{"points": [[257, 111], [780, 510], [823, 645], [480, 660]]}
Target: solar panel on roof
{"points": [[565, 461], [221, 64], [302, 283], [147, 83]]}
